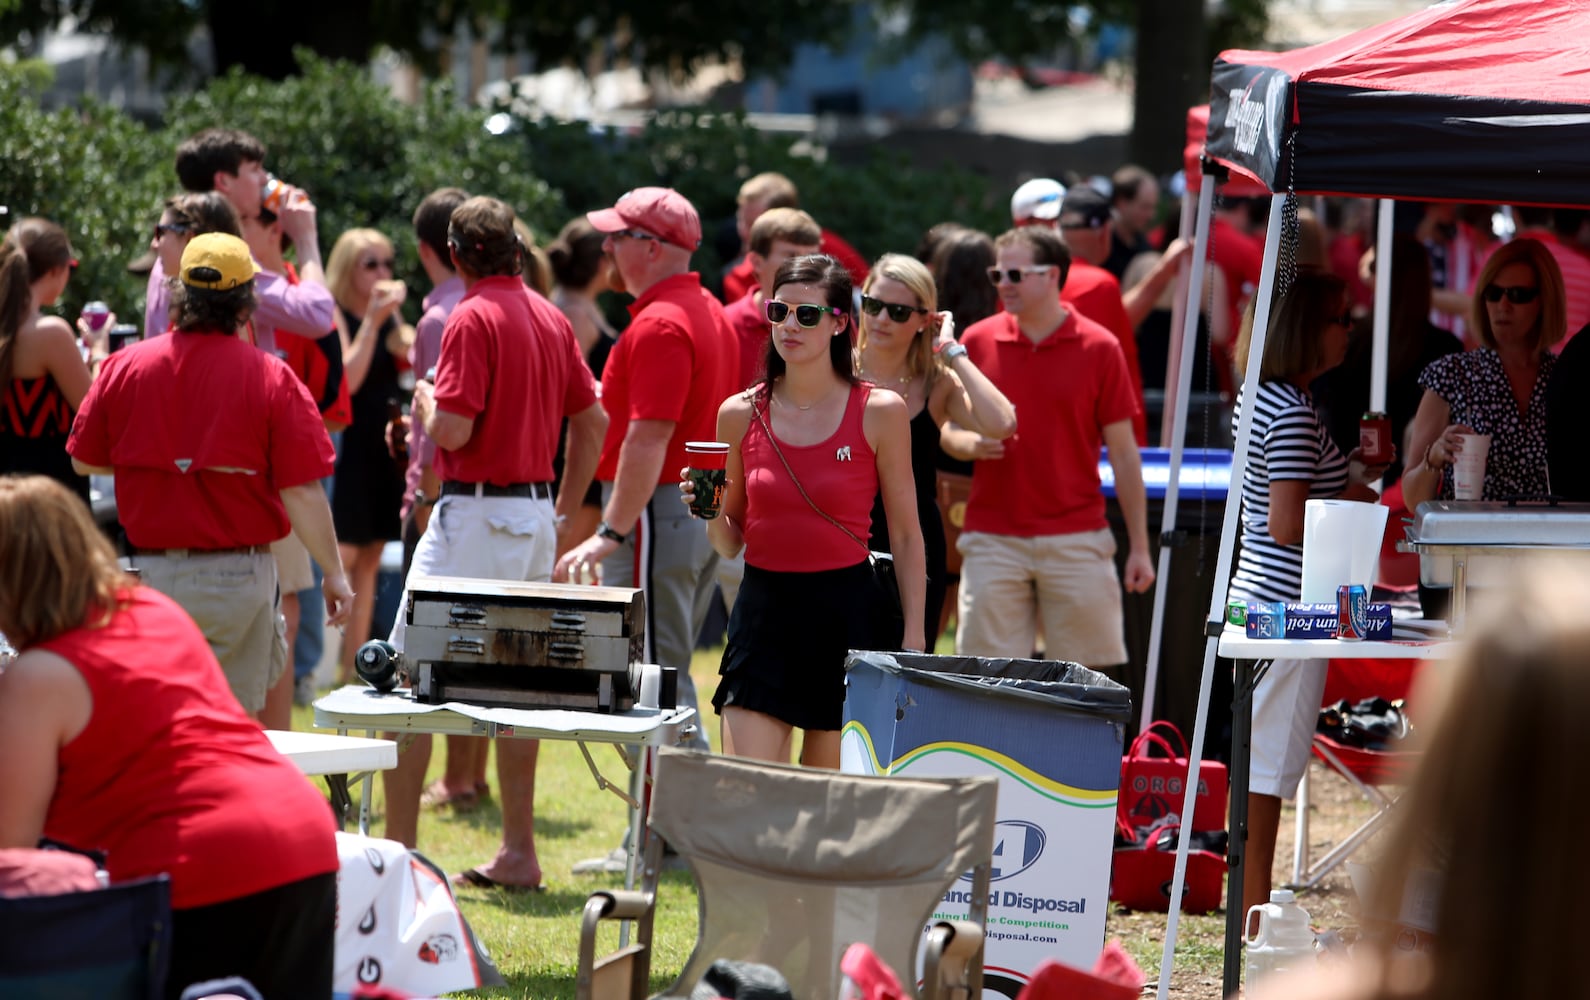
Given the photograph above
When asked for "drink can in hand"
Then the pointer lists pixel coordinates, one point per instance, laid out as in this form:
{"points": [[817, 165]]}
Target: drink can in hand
{"points": [[708, 475]]}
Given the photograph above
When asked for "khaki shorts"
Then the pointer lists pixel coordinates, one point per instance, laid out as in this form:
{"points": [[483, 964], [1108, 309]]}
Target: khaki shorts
{"points": [[234, 600], [1010, 584], [1286, 706], [294, 572]]}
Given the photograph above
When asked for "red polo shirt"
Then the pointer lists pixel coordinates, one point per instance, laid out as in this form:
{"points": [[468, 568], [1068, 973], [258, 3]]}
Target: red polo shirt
{"points": [[1066, 389], [510, 363], [204, 431], [678, 361], [751, 329], [1096, 294]]}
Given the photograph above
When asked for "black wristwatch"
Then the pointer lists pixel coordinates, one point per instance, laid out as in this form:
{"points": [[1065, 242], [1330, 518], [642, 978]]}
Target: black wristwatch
{"points": [[605, 530]]}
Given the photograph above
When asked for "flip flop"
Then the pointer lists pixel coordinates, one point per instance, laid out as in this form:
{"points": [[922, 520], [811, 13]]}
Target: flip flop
{"points": [[436, 796], [474, 878]]}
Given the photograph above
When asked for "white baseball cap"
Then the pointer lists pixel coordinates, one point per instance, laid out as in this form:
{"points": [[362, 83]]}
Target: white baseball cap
{"points": [[1039, 198]]}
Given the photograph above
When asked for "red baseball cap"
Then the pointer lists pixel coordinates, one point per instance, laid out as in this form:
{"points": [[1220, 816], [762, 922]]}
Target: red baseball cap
{"points": [[662, 212]]}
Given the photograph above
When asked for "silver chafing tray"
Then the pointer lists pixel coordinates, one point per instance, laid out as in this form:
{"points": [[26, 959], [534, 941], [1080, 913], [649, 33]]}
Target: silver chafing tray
{"points": [[524, 645], [1481, 542]]}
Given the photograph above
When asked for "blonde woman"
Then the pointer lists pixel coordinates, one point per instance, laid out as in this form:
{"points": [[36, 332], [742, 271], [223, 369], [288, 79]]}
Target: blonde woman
{"points": [[367, 490], [907, 347]]}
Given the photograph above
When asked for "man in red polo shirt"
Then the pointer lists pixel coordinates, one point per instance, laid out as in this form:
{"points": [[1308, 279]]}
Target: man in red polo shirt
{"points": [[768, 191], [509, 371], [218, 451], [668, 373], [1036, 546]]}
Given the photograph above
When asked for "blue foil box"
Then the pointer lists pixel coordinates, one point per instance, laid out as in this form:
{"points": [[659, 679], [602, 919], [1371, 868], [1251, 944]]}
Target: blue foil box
{"points": [[1309, 621]]}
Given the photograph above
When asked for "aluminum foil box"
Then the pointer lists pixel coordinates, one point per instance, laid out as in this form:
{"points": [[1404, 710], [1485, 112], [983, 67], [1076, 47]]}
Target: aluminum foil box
{"points": [[1292, 620]]}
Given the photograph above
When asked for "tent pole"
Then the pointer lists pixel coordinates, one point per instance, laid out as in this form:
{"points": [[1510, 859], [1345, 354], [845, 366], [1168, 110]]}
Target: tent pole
{"points": [[1174, 393], [1382, 335], [1181, 354], [1241, 715]]}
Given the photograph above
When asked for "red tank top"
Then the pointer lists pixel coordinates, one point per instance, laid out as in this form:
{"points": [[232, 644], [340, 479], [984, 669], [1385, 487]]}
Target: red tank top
{"points": [[782, 532], [170, 775]]}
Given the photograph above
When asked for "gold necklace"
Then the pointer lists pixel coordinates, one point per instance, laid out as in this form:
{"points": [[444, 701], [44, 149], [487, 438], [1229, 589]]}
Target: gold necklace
{"points": [[903, 382]]}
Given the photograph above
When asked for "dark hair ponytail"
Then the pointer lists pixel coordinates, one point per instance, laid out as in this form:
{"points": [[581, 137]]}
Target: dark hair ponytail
{"points": [[16, 302]]}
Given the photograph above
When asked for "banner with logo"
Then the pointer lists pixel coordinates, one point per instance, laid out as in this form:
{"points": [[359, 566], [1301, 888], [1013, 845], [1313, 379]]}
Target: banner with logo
{"points": [[1248, 111], [1055, 748]]}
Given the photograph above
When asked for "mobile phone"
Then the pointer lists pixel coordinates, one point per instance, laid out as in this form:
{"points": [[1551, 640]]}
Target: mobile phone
{"points": [[121, 335]]}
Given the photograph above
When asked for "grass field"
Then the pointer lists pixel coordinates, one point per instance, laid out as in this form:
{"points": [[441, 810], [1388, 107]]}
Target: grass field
{"points": [[534, 937]]}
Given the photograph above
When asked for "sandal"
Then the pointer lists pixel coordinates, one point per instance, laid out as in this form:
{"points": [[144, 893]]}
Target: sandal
{"points": [[437, 796]]}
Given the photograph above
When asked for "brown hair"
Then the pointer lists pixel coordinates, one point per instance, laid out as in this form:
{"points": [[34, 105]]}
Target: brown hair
{"points": [[788, 224], [56, 568], [1294, 343], [200, 310], [914, 275], [960, 260], [1552, 323], [576, 255], [203, 154], [1490, 808], [431, 217], [32, 248], [1046, 245], [481, 235], [537, 268], [772, 190], [828, 274], [205, 212]]}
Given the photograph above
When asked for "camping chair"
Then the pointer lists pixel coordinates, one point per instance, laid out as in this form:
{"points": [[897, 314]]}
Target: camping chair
{"points": [[792, 866], [1366, 770], [109, 944]]}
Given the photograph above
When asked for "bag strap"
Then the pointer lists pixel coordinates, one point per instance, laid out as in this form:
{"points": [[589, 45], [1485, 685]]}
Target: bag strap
{"points": [[761, 416], [1170, 727], [1148, 739]]}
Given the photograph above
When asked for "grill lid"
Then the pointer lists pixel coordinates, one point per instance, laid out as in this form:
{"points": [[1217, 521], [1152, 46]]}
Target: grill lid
{"points": [[1503, 524]]}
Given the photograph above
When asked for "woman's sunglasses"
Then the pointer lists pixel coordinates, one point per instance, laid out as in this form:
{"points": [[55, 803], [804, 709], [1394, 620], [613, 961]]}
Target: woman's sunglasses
{"points": [[806, 314], [1518, 295], [161, 228], [898, 311], [377, 262]]}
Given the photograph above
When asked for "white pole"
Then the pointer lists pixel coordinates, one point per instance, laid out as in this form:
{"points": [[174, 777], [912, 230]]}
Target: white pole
{"points": [[1179, 306], [1181, 354], [1217, 597], [1382, 334]]}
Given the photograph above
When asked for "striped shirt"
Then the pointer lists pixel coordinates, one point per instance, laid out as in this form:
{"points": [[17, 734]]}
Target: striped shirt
{"points": [[1289, 441]]}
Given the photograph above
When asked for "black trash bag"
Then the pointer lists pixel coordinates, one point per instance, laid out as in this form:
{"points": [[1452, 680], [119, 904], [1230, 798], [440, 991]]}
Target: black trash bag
{"points": [[1369, 724], [741, 981]]}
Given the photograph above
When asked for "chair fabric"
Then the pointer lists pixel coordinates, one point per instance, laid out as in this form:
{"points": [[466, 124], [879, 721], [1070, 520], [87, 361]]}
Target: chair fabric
{"points": [[104, 944], [795, 865]]}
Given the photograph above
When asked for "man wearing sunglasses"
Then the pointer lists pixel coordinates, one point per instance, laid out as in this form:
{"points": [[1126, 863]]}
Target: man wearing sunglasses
{"points": [[668, 373], [1036, 548]]}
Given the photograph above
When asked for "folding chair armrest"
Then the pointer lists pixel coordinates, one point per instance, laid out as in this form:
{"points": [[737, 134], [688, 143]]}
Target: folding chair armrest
{"points": [[952, 961], [610, 904], [617, 904]]}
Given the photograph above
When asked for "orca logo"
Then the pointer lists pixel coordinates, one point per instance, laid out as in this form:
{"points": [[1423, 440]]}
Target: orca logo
{"points": [[1018, 845], [376, 860], [367, 922], [369, 970]]}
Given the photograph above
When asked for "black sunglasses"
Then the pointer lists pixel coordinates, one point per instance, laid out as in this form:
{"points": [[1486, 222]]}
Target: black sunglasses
{"points": [[898, 311], [169, 227], [375, 262], [1518, 295], [806, 314]]}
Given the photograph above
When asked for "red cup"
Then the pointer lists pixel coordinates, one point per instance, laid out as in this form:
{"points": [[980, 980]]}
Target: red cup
{"points": [[707, 454]]}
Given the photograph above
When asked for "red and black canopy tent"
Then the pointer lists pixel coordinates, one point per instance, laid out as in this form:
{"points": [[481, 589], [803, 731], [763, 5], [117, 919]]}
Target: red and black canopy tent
{"points": [[1467, 100]]}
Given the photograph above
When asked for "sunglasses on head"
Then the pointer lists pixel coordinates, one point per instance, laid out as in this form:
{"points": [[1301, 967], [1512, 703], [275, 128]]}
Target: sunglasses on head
{"points": [[1518, 295], [806, 314], [1015, 274], [378, 262], [898, 311]]}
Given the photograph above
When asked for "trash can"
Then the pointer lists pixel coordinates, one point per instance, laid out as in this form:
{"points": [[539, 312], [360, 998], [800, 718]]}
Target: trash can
{"points": [[1205, 481], [1052, 733]]}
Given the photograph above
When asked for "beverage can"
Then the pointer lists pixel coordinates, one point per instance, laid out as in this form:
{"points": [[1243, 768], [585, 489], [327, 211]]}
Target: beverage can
{"points": [[1237, 612], [1374, 438], [1352, 611]]}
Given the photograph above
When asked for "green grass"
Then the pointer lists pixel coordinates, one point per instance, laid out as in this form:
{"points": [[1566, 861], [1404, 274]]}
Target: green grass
{"points": [[534, 938]]}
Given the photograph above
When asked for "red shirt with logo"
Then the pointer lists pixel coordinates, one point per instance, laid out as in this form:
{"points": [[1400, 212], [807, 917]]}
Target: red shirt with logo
{"points": [[1066, 388], [510, 363], [1096, 294], [677, 361], [203, 431], [170, 775]]}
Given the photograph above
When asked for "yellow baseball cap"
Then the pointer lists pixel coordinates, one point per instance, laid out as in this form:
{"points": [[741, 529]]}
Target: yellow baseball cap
{"points": [[218, 262]]}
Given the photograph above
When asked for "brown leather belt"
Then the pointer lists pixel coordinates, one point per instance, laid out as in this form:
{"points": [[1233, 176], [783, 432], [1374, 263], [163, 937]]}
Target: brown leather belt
{"points": [[235, 550]]}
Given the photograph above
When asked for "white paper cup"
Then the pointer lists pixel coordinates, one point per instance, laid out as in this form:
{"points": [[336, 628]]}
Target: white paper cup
{"points": [[1468, 466]]}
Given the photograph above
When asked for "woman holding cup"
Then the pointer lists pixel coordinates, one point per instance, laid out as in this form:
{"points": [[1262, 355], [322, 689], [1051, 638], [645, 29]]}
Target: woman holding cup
{"points": [[808, 450], [908, 347], [1480, 431]]}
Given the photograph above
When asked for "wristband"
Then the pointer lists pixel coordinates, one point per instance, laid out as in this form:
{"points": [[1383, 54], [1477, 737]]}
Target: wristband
{"points": [[952, 351], [607, 531]]}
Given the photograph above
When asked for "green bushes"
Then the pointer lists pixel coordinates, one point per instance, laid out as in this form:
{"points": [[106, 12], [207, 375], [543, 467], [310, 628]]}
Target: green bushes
{"points": [[367, 160]]}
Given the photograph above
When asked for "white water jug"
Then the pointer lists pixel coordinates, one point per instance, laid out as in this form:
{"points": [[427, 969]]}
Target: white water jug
{"points": [[1278, 937]]}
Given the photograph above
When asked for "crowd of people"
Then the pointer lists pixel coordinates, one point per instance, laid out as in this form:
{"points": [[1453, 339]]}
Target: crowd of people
{"points": [[515, 432]]}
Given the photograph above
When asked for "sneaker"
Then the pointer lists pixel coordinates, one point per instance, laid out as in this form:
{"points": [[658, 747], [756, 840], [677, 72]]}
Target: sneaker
{"points": [[615, 861], [304, 691]]}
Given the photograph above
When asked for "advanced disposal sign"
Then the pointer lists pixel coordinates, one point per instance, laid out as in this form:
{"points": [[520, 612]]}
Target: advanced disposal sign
{"points": [[1051, 733]]}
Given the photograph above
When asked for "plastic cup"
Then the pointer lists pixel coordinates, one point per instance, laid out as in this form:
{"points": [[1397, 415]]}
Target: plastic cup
{"points": [[1468, 466], [708, 474], [95, 314]]}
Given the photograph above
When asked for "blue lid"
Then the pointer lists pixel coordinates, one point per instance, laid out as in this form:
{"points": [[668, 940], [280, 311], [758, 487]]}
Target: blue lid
{"points": [[1205, 473]]}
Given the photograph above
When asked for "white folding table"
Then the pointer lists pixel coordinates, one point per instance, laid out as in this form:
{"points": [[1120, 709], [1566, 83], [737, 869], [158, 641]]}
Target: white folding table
{"points": [[334, 758]]}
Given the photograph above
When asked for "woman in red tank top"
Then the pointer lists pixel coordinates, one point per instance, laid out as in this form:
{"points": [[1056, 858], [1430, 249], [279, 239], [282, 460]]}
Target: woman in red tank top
{"points": [[809, 449], [119, 734]]}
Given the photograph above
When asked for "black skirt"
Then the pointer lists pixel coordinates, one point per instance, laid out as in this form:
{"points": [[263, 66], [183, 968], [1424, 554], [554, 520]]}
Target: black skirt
{"points": [[788, 636]]}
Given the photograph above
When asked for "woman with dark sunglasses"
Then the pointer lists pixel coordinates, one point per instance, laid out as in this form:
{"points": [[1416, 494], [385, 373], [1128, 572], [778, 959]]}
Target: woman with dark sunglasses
{"points": [[909, 348], [1519, 312], [810, 448]]}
